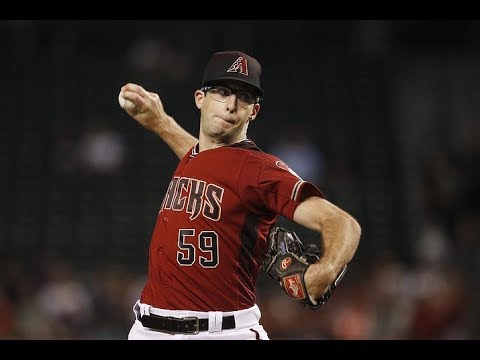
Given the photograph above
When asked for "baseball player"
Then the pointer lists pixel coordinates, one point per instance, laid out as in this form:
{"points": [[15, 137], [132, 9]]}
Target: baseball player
{"points": [[213, 225]]}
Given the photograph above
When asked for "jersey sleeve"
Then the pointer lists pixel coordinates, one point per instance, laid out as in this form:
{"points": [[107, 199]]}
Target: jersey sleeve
{"points": [[267, 184]]}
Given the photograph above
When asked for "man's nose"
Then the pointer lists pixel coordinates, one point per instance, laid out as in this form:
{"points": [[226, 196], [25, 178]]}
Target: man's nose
{"points": [[232, 102]]}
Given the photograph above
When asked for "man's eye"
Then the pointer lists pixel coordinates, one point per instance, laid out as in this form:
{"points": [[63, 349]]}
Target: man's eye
{"points": [[223, 91], [244, 96]]}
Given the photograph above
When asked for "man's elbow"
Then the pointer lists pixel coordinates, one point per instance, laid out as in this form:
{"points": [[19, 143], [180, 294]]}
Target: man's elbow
{"points": [[354, 233]]}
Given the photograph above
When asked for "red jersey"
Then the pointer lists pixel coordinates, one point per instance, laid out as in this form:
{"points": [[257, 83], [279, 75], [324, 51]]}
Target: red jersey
{"points": [[210, 236]]}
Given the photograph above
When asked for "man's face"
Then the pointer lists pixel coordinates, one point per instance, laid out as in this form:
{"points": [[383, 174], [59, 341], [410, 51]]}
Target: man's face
{"points": [[226, 109]]}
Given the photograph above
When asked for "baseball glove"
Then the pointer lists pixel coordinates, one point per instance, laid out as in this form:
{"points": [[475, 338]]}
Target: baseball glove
{"points": [[287, 261]]}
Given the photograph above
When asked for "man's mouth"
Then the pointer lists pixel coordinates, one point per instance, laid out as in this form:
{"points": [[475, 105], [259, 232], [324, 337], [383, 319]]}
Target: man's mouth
{"points": [[230, 121]]}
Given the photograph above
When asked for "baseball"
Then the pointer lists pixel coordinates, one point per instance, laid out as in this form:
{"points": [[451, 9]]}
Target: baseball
{"points": [[125, 103]]}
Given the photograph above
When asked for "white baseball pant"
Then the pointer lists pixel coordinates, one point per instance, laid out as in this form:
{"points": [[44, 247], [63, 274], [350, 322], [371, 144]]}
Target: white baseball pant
{"points": [[244, 327]]}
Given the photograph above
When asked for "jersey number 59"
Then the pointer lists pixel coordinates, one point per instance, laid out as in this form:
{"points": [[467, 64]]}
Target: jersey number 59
{"points": [[206, 243]]}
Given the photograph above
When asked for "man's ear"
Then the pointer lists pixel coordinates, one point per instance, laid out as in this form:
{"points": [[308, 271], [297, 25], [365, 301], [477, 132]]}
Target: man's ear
{"points": [[255, 110], [199, 96]]}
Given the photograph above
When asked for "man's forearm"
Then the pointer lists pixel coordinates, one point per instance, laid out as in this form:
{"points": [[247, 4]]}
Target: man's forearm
{"points": [[176, 137], [340, 236]]}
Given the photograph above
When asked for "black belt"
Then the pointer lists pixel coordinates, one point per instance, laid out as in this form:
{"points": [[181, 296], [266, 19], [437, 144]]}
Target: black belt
{"points": [[186, 325]]}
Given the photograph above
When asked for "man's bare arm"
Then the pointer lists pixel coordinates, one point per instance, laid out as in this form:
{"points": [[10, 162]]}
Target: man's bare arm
{"points": [[150, 113], [340, 233]]}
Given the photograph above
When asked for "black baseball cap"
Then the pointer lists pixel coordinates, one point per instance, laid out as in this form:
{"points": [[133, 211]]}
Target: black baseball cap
{"points": [[233, 65]]}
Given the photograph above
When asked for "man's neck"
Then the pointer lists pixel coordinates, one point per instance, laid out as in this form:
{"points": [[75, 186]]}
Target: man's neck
{"points": [[208, 143]]}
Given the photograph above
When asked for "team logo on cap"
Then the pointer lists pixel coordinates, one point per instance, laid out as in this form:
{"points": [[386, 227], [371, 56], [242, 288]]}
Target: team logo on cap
{"points": [[240, 66]]}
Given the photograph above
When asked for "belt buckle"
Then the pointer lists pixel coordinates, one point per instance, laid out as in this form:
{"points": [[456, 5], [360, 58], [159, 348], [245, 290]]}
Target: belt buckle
{"points": [[197, 324]]}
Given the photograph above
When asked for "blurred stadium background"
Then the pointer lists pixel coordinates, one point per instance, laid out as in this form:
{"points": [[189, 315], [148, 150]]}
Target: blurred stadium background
{"points": [[382, 115]]}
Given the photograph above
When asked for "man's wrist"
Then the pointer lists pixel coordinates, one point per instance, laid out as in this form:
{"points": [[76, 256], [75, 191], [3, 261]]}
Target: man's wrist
{"points": [[162, 125]]}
